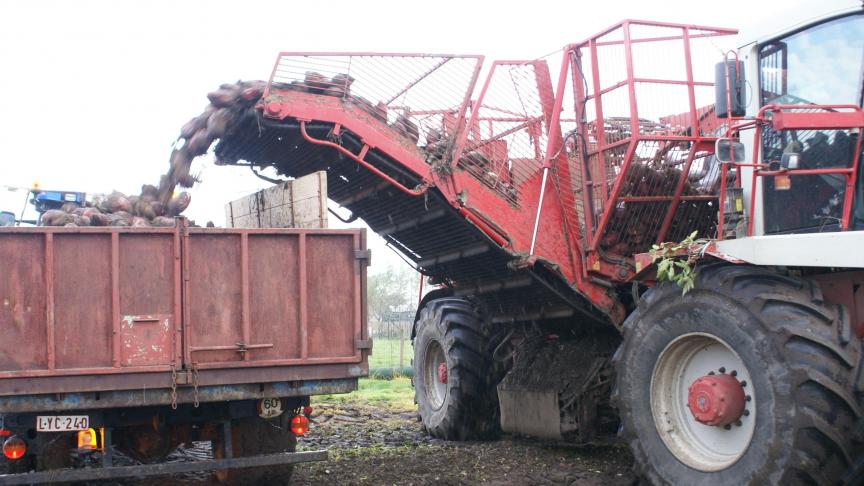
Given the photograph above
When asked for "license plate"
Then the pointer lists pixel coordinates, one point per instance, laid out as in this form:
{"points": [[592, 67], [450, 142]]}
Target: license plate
{"points": [[269, 407], [62, 423]]}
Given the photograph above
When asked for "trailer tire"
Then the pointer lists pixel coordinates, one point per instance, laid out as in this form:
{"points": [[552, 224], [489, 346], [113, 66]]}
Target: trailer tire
{"points": [[144, 443], [252, 436], [454, 384], [802, 361]]}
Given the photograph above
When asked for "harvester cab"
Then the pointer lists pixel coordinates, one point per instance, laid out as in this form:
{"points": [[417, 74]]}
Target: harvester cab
{"points": [[801, 133]]}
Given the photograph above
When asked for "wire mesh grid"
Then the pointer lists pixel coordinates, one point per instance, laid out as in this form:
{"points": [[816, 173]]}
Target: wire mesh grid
{"points": [[575, 194], [642, 98], [422, 97], [655, 185], [507, 134]]}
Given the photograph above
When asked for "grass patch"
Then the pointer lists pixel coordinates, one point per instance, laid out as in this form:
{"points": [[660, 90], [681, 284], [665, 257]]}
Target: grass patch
{"points": [[385, 353], [380, 450], [395, 395]]}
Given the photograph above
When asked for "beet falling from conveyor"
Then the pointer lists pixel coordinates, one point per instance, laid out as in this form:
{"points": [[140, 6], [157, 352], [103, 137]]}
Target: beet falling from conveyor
{"points": [[157, 205]]}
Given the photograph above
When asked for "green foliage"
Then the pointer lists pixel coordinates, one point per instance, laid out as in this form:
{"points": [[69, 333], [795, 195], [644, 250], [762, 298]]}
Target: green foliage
{"points": [[391, 290], [385, 353], [396, 395], [670, 263]]}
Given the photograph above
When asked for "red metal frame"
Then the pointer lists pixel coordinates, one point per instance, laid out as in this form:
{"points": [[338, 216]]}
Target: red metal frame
{"points": [[549, 211], [610, 143], [789, 117], [361, 159], [484, 208], [597, 190]]}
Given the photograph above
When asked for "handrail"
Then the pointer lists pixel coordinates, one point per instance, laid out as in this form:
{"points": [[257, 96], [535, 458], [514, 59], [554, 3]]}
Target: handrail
{"points": [[418, 191]]}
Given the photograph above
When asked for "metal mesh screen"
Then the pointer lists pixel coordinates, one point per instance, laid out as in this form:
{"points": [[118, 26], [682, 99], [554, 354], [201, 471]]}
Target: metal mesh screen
{"points": [[423, 97], [642, 108], [507, 135]]}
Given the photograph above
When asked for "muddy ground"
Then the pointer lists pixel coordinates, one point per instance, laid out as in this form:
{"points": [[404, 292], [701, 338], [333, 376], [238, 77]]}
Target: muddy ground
{"points": [[379, 445]]}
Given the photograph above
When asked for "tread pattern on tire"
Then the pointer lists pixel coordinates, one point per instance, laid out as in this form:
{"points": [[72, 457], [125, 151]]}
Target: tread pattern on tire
{"points": [[815, 340], [472, 407]]}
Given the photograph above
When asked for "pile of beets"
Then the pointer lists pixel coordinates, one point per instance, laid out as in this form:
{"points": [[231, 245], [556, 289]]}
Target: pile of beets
{"points": [[117, 209]]}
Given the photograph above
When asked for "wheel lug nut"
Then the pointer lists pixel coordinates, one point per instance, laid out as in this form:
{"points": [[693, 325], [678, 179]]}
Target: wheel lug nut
{"points": [[727, 427], [746, 412], [734, 373], [722, 369], [711, 373], [737, 423], [743, 384], [748, 398]]}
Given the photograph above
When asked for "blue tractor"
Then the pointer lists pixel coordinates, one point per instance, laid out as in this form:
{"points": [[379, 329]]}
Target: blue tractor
{"points": [[43, 200]]}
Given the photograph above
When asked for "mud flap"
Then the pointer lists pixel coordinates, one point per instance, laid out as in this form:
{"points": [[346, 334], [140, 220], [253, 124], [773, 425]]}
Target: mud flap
{"points": [[559, 390], [531, 413]]}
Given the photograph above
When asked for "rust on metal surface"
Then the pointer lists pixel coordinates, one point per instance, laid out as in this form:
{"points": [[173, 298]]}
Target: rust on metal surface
{"points": [[116, 341], [303, 306], [162, 396], [49, 299], [145, 340], [80, 305], [147, 470]]}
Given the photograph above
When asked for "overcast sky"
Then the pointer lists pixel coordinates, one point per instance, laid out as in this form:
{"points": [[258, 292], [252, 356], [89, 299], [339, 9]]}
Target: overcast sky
{"points": [[93, 93]]}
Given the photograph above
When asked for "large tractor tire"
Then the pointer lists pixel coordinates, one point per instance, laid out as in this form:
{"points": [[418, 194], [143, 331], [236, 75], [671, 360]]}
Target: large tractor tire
{"points": [[685, 361], [454, 381]]}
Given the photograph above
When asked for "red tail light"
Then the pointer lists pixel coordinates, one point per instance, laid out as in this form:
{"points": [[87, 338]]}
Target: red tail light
{"points": [[307, 410], [5, 432], [14, 448], [299, 425]]}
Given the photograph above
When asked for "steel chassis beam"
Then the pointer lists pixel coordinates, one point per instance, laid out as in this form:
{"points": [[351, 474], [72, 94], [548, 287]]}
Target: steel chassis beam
{"points": [[103, 473]]}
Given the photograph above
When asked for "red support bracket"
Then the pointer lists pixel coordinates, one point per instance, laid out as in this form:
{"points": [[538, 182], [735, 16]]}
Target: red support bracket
{"points": [[360, 159]]}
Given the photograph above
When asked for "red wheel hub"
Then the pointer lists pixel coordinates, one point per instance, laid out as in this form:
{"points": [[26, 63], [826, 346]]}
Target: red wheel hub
{"points": [[442, 372], [716, 400]]}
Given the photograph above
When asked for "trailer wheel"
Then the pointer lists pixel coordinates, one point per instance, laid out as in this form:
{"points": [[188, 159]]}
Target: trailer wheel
{"points": [[144, 443], [453, 372], [253, 436], [748, 379]]}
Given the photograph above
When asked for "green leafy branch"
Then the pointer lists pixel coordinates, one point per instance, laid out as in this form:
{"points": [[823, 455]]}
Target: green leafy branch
{"points": [[671, 266]]}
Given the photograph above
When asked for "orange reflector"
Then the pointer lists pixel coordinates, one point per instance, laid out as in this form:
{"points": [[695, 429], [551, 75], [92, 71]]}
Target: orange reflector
{"points": [[87, 440], [307, 410], [299, 425], [14, 448]]}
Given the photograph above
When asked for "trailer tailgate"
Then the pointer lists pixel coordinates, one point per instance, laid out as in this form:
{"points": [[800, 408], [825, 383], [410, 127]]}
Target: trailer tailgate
{"points": [[257, 297], [90, 309]]}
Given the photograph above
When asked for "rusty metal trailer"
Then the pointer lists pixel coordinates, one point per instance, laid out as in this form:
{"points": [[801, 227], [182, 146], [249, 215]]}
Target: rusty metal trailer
{"points": [[183, 328]]}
